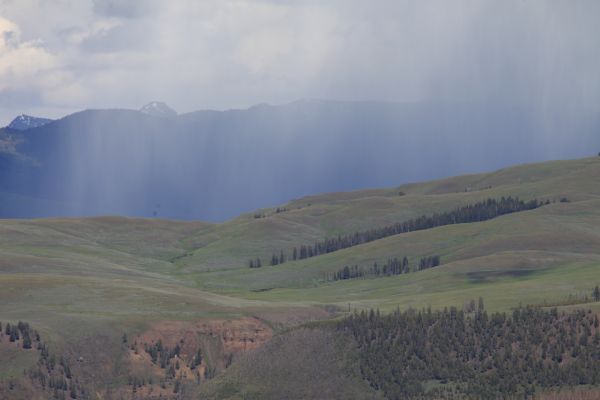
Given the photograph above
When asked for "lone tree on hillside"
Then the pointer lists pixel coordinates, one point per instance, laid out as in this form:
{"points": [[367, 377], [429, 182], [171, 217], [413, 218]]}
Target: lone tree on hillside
{"points": [[26, 340], [480, 305]]}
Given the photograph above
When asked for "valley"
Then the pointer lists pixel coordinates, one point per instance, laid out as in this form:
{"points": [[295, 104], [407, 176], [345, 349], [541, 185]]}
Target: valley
{"points": [[299, 200], [85, 283]]}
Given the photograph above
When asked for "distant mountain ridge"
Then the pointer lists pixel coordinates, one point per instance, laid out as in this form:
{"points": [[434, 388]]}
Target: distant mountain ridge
{"points": [[213, 165], [24, 122]]}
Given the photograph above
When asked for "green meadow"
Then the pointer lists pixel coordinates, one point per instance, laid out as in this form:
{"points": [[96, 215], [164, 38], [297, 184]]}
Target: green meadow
{"points": [[121, 267], [81, 278]]}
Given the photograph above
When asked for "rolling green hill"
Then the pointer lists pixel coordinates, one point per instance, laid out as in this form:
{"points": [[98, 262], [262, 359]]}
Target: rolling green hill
{"points": [[95, 278]]}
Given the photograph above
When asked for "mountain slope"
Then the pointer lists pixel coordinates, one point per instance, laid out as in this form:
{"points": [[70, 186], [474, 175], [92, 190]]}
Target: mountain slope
{"points": [[213, 165], [24, 122], [312, 218]]}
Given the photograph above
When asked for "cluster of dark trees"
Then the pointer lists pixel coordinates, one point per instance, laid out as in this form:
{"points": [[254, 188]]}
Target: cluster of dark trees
{"points": [[279, 210], [481, 211], [169, 359], [278, 259], [20, 331], [59, 382], [52, 374], [56, 377], [255, 263], [350, 273], [475, 355], [275, 260], [429, 262], [161, 355], [394, 266]]}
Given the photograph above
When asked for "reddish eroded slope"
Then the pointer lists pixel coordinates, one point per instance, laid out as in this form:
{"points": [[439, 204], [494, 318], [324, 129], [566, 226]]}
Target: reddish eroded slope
{"points": [[194, 350], [235, 336]]}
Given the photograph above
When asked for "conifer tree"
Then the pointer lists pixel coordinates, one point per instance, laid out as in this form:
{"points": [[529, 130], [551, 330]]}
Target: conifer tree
{"points": [[26, 340], [281, 257]]}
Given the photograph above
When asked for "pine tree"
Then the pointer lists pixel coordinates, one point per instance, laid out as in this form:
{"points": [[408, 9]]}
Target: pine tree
{"points": [[281, 257], [73, 392], [596, 293], [26, 340], [197, 358]]}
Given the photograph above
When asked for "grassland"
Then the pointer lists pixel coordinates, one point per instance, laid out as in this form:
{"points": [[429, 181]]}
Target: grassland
{"points": [[114, 266], [74, 279]]}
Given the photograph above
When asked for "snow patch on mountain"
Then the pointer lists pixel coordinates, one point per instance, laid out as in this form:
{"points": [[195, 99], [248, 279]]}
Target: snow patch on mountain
{"points": [[24, 122], [158, 109]]}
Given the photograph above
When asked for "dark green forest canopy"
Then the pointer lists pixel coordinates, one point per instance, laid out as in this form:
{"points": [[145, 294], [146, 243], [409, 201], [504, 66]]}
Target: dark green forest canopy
{"points": [[475, 354]]}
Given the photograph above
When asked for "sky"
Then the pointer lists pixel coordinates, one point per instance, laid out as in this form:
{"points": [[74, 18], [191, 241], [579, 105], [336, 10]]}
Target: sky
{"points": [[60, 56]]}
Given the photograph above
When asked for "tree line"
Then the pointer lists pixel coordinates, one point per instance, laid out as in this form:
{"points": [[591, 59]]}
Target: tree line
{"points": [[163, 356], [20, 331], [477, 212], [394, 266], [573, 299], [475, 354], [52, 374]]}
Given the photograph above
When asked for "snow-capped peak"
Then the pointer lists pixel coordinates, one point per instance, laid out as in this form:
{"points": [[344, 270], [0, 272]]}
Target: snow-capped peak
{"points": [[24, 122], [158, 109]]}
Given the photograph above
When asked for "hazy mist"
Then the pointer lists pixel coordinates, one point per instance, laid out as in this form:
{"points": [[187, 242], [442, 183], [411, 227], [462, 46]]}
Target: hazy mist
{"points": [[423, 89]]}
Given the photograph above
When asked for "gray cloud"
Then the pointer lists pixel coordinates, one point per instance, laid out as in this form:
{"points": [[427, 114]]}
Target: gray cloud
{"points": [[124, 8], [233, 53]]}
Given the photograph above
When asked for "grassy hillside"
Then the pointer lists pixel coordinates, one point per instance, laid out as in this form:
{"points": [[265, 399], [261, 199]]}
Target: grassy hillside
{"points": [[96, 278], [544, 254], [312, 218], [282, 368], [209, 261]]}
